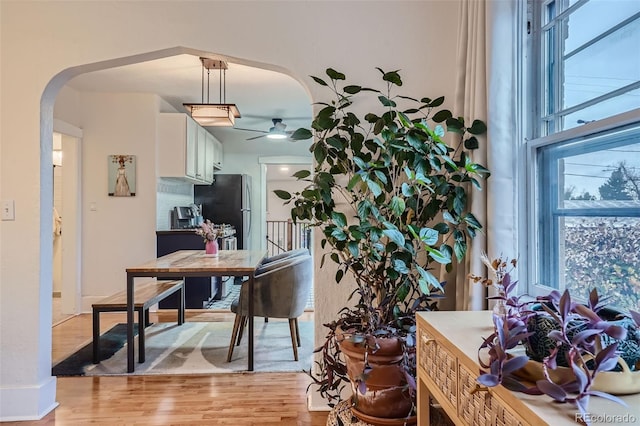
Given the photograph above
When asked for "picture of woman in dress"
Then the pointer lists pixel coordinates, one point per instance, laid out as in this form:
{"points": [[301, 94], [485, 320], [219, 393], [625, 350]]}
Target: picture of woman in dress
{"points": [[122, 175]]}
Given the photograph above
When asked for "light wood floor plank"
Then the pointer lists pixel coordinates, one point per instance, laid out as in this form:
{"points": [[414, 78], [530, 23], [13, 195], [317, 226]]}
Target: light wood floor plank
{"points": [[242, 399]]}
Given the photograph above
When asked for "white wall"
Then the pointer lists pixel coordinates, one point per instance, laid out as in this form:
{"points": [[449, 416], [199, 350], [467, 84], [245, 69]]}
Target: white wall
{"points": [[171, 193], [116, 231], [39, 40], [276, 209]]}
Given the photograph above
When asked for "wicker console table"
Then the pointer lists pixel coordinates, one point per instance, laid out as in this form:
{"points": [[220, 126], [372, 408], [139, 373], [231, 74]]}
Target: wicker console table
{"points": [[448, 344]]}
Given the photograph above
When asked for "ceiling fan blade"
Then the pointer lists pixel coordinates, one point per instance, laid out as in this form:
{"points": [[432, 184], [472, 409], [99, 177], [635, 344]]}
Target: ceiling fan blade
{"points": [[256, 137], [250, 130]]}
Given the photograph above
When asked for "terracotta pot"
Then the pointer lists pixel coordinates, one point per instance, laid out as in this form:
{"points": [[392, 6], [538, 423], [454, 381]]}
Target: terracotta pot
{"points": [[386, 401]]}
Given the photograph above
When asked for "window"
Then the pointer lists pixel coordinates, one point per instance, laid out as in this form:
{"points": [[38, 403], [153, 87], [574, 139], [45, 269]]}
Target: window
{"points": [[585, 142]]}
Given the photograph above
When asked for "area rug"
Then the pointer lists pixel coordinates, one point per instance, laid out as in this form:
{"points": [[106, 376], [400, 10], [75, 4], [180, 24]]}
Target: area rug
{"points": [[110, 342], [201, 348]]}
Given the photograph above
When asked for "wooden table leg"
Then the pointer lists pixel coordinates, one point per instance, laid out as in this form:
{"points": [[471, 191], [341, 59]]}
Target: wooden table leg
{"points": [[131, 362], [250, 319]]}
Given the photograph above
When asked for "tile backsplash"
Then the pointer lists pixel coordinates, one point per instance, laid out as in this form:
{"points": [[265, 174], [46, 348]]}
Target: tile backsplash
{"points": [[171, 193]]}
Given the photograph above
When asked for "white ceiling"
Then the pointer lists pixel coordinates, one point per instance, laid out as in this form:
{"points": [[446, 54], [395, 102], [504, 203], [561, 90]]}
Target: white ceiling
{"points": [[259, 94]]}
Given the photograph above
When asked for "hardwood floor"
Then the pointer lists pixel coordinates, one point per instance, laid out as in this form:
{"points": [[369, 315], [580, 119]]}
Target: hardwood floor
{"points": [[221, 399]]}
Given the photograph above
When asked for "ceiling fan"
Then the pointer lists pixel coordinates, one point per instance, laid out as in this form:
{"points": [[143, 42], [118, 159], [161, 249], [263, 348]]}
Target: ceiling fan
{"points": [[276, 132]]}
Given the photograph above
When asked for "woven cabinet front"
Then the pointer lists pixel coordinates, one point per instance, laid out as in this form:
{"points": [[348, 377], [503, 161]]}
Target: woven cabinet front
{"points": [[481, 407], [440, 365]]}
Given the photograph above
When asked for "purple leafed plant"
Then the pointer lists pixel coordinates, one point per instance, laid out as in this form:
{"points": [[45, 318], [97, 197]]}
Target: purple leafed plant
{"points": [[582, 347], [579, 336]]}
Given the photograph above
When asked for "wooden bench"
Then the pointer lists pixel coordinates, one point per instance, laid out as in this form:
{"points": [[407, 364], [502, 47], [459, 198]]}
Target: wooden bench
{"points": [[145, 296]]}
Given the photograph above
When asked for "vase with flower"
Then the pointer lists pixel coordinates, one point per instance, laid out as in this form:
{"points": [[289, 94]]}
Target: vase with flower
{"points": [[210, 236]]}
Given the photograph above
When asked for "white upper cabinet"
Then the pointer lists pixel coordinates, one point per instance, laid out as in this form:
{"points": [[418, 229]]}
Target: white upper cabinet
{"points": [[217, 154], [186, 150], [209, 147]]}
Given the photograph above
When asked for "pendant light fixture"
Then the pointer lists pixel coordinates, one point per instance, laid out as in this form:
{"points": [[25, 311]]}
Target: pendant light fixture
{"points": [[207, 114]]}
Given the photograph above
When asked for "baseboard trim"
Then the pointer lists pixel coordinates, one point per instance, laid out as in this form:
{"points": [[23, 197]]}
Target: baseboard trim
{"points": [[317, 405], [28, 402]]}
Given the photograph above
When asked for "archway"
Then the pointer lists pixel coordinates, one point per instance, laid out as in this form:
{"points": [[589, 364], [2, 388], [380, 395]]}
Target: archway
{"points": [[47, 122]]}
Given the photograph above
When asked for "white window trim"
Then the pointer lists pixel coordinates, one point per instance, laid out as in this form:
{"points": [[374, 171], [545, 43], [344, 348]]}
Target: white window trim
{"points": [[628, 118]]}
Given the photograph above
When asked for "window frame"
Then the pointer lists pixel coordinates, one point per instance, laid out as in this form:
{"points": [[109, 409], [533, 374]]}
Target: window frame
{"points": [[536, 134], [621, 122]]}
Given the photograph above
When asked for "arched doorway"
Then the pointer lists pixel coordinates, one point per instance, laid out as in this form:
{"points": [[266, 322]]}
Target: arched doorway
{"points": [[98, 211]]}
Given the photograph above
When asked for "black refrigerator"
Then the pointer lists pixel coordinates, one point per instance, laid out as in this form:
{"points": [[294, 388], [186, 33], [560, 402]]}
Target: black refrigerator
{"points": [[228, 201]]}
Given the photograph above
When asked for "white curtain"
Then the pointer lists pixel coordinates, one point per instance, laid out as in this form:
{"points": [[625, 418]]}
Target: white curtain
{"points": [[486, 89]]}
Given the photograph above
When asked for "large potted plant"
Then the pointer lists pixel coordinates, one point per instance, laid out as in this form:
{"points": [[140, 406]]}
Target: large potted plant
{"points": [[390, 195]]}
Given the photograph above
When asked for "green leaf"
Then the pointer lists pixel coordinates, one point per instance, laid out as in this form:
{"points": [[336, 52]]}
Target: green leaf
{"points": [[395, 236], [375, 188], [477, 127], [301, 134], [392, 77], [339, 275], [410, 173], [439, 131], [364, 207], [400, 266], [447, 216], [377, 128], [429, 236], [471, 143], [458, 205], [318, 80], [436, 102], [406, 121], [407, 190], [414, 140], [301, 174], [442, 115], [339, 234], [352, 90], [442, 228], [460, 248], [335, 142], [353, 248], [454, 125], [471, 220], [371, 118], [429, 280], [324, 122], [381, 176], [354, 181], [327, 111], [386, 101], [320, 153], [438, 256], [335, 75], [282, 194], [339, 218], [360, 163], [397, 206]]}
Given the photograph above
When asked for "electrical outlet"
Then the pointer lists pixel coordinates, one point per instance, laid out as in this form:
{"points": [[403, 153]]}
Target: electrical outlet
{"points": [[8, 210]]}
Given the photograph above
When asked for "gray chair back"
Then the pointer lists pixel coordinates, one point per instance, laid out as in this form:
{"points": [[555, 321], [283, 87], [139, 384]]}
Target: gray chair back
{"points": [[279, 292], [285, 254]]}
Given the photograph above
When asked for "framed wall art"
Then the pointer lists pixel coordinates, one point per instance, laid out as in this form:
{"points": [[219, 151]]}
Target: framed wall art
{"points": [[122, 175]]}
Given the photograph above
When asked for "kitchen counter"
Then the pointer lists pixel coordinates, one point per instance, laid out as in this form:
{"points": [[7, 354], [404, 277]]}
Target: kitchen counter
{"points": [[227, 233], [177, 231]]}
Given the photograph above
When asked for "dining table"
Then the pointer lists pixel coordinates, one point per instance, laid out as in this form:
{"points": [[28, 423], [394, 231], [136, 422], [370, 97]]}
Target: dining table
{"points": [[194, 263]]}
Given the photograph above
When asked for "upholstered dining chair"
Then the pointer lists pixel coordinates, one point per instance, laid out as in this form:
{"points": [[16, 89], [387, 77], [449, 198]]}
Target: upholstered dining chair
{"points": [[285, 255], [281, 291]]}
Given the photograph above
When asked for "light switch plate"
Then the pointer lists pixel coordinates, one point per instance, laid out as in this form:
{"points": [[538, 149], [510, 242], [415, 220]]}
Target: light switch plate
{"points": [[8, 210]]}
